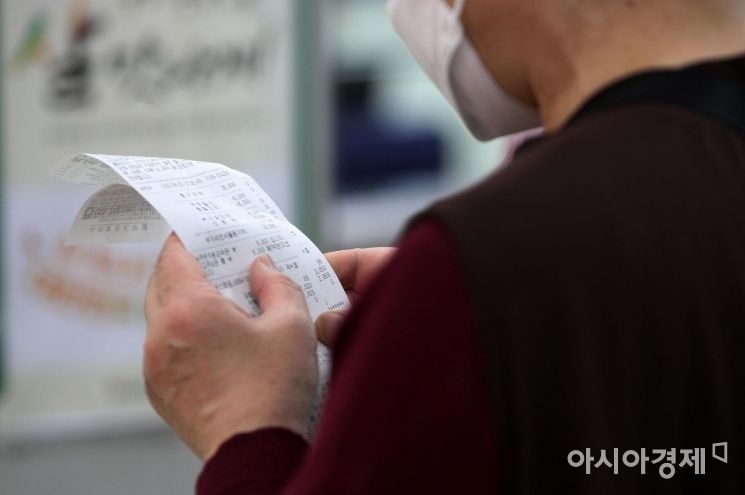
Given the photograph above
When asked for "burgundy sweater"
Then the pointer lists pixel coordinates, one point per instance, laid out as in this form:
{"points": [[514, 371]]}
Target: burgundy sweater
{"points": [[408, 409]]}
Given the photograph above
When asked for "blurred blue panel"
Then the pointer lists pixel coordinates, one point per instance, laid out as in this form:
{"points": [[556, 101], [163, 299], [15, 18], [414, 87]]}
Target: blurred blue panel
{"points": [[372, 152]]}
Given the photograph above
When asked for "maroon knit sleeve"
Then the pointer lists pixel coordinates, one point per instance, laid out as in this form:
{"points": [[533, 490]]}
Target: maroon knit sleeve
{"points": [[408, 408], [259, 462]]}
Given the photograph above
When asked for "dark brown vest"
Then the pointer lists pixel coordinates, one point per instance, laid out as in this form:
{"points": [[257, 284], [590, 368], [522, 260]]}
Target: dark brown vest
{"points": [[606, 265]]}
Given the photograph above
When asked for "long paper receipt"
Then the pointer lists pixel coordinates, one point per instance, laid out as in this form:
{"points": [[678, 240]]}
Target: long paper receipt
{"points": [[221, 215]]}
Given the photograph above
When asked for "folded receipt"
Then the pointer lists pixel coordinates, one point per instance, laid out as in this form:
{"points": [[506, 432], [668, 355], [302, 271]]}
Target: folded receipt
{"points": [[221, 215]]}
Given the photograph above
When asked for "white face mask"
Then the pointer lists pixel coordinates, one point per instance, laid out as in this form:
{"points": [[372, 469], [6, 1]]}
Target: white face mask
{"points": [[435, 36]]}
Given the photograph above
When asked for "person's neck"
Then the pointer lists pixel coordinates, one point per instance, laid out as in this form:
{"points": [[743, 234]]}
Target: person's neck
{"points": [[578, 71]]}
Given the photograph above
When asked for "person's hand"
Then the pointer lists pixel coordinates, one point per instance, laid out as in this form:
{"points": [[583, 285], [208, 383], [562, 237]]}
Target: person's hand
{"points": [[355, 268], [211, 370]]}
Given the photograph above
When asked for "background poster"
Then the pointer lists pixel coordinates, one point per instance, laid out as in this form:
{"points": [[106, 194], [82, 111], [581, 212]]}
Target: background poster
{"points": [[202, 79]]}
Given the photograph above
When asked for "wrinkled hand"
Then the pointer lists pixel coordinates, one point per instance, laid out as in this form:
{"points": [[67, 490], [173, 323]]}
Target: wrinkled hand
{"points": [[355, 268], [211, 370]]}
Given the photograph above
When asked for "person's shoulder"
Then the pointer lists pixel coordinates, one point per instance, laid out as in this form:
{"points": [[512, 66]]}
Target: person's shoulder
{"points": [[637, 131], [643, 131], [605, 153], [593, 179]]}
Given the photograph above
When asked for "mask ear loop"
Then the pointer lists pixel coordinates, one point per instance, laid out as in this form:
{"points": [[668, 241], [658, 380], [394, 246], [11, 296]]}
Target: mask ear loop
{"points": [[458, 8]]}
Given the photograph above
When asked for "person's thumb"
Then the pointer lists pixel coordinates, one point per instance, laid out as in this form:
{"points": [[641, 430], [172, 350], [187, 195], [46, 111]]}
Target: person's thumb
{"points": [[273, 290], [328, 326]]}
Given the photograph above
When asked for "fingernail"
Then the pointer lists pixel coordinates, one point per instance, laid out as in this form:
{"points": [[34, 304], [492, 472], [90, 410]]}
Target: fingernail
{"points": [[267, 261]]}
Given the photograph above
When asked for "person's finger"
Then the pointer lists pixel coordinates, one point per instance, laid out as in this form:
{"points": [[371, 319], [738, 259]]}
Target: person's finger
{"points": [[151, 299], [357, 267], [328, 326], [175, 270], [345, 265], [273, 290]]}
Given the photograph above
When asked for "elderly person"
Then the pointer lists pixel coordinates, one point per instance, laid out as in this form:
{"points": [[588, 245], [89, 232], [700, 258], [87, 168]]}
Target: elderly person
{"points": [[532, 334]]}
